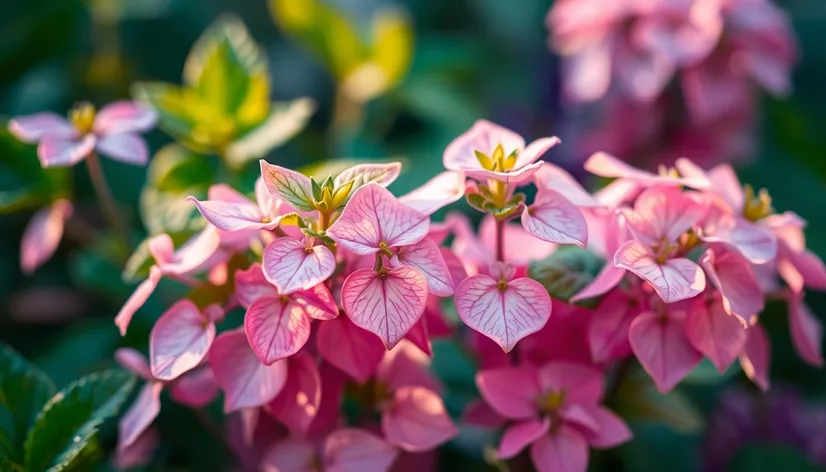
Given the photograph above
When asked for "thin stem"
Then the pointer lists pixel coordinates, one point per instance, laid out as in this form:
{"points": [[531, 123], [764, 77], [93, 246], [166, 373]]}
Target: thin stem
{"points": [[107, 201], [500, 240]]}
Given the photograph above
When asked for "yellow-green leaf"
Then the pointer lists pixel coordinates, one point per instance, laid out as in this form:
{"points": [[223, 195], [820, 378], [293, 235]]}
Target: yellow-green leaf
{"points": [[393, 44]]}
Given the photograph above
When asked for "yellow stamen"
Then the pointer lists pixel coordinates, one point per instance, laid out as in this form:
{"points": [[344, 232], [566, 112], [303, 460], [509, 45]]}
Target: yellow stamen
{"points": [[668, 171], [82, 117], [757, 206], [550, 402]]}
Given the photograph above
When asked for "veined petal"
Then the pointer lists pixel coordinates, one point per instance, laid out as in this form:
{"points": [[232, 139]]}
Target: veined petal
{"points": [[291, 266], [387, 304], [32, 128], [662, 348], [806, 331], [521, 435], [351, 349], [250, 285], [141, 414], [504, 315], [755, 243], [381, 174], [426, 257], [228, 216], [510, 391], [179, 340], [755, 356], [245, 380], [606, 165], [62, 152], [535, 150], [276, 330], [564, 451], [124, 147], [297, 404], [438, 192], [317, 302], [137, 299], [354, 450], [717, 334], [290, 185], [733, 277], [417, 420], [554, 219], [43, 235], [677, 279], [484, 136], [663, 212], [551, 177], [124, 117], [374, 216]]}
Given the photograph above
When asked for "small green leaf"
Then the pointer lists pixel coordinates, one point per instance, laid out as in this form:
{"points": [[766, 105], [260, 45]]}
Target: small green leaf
{"points": [[322, 236], [566, 272], [477, 201], [24, 389], [176, 169], [293, 219], [71, 418]]}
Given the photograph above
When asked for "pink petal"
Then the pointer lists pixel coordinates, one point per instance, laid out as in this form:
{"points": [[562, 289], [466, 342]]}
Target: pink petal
{"points": [[564, 451], [612, 429], [521, 435], [350, 348], [426, 257], [715, 333], [289, 455], [137, 299], [551, 177], [124, 117], [521, 247], [133, 361], [554, 219], [418, 336], [194, 253], [333, 383], [62, 152], [354, 450], [806, 269], [662, 348], [141, 414], [755, 243], [295, 188], [516, 176], [387, 305], [608, 278], [663, 213], [32, 128], [535, 150], [712, 91], [361, 174], [608, 330], [438, 192], [317, 302], [581, 384], [290, 265], [179, 340], [196, 388], [297, 404], [162, 249], [245, 380], [677, 279], [510, 391], [139, 453], [228, 216], [406, 366], [606, 165], [806, 331], [505, 316], [479, 413], [733, 277], [484, 136], [250, 285], [126, 148], [587, 73], [725, 181], [43, 235], [454, 266], [276, 330], [374, 216], [417, 420], [756, 356]]}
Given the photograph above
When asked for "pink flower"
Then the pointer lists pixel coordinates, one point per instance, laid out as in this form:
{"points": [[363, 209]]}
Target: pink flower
{"points": [[234, 212], [43, 235], [555, 410], [660, 217], [112, 132], [345, 450], [277, 324], [181, 338], [293, 265], [606, 165], [349, 348]]}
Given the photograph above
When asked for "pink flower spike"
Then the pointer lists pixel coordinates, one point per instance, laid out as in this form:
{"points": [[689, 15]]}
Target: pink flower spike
{"points": [[564, 451], [510, 391], [436, 193], [660, 344], [179, 340], [250, 285], [733, 277], [276, 329], [387, 303], [606, 165], [196, 388], [554, 219], [293, 265], [135, 362], [417, 420], [426, 257], [715, 333], [33, 128], [43, 235], [674, 280], [245, 380], [374, 218], [521, 435], [354, 450], [137, 299], [297, 404], [295, 188], [756, 356], [141, 414], [504, 311], [124, 117], [551, 177], [351, 349], [806, 331]]}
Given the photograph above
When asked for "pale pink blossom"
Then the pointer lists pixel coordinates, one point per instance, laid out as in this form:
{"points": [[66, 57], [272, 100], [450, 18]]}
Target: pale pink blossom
{"points": [[234, 212], [43, 235]]}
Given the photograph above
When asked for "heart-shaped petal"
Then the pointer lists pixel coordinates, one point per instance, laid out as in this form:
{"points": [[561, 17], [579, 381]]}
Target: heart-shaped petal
{"points": [[33, 128], [717, 334], [662, 348], [351, 349], [317, 302], [276, 330], [387, 303], [179, 340], [505, 313], [417, 420], [291, 265], [124, 117], [675, 280], [733, 277], [250, 285], [426, 257], [554, 219]]}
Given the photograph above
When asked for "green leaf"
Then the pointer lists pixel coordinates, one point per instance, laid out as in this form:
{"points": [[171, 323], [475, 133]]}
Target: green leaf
{"points": [[477, 201], [176, 169], [566, 272], [24, 389], [138, 265], [72, 417], [772, 458], [392, 44], [23, 182]]}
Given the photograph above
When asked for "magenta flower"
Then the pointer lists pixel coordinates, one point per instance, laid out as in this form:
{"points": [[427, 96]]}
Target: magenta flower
{"points": [[555, 410], [113, 132], [43, 235], [345, 450]]}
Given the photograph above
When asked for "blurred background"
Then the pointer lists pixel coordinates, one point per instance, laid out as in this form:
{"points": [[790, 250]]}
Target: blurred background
{"points": [[443, 65]]}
